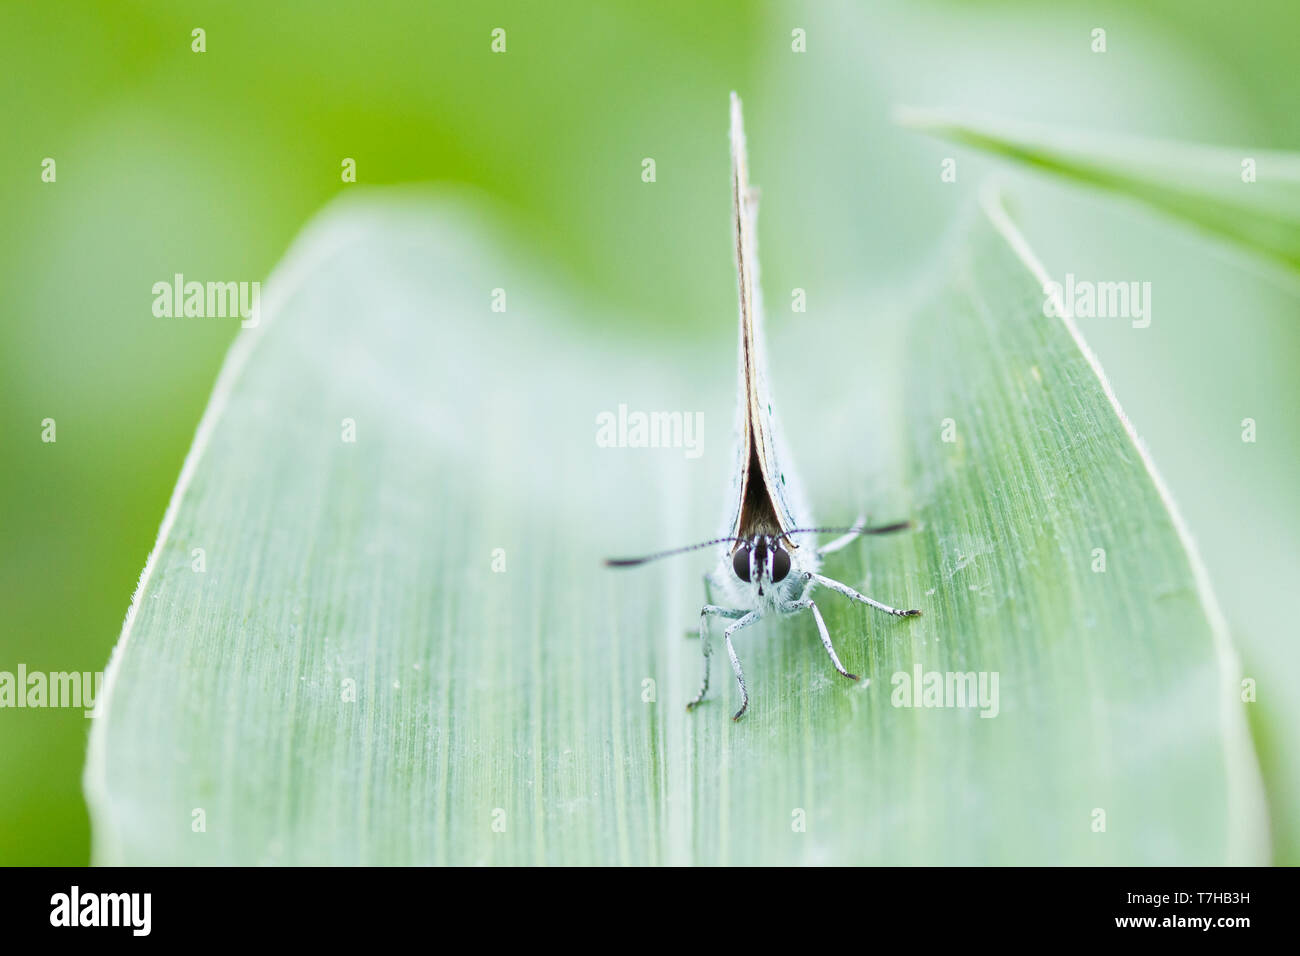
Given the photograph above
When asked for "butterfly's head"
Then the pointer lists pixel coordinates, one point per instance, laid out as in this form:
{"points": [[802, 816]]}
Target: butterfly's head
{"points": [[764, 568], [761, 561]]}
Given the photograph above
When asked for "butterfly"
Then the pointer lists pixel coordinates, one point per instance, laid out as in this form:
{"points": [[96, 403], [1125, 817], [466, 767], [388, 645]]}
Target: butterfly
{"points": [[762, 570]]}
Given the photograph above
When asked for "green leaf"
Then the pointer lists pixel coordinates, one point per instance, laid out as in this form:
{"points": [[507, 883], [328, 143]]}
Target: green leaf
{"points": [[348, 680], [1203, 185]]}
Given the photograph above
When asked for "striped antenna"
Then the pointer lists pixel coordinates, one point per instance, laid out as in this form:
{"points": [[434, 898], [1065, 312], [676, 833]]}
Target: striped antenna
{"points": [[645, 559]]}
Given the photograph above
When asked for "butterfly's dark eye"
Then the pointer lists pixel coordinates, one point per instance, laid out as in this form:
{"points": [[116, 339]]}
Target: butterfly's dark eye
{"points": [[740, 562], [780, 564]]}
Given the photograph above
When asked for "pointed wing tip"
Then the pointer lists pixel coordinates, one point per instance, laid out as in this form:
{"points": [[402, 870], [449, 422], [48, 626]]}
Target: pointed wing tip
{"points": [[738, 158]]}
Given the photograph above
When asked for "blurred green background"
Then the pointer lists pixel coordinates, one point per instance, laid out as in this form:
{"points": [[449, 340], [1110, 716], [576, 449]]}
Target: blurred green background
{"points": [[207, 164]]}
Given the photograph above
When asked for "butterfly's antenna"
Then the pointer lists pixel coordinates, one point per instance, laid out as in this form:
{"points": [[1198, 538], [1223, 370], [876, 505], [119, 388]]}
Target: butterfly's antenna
{"points": [[881, 529], [633, 562]]}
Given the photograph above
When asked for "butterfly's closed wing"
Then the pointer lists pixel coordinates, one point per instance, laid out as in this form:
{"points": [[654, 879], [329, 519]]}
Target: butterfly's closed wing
{"points": [[765, 499]]}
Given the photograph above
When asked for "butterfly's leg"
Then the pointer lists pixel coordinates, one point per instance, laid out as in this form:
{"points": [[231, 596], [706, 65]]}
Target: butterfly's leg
{"points": [[850, 593], [708, 596], [748, 619], [705, 613], [807, 604], [826, 641], [844, 540]]}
